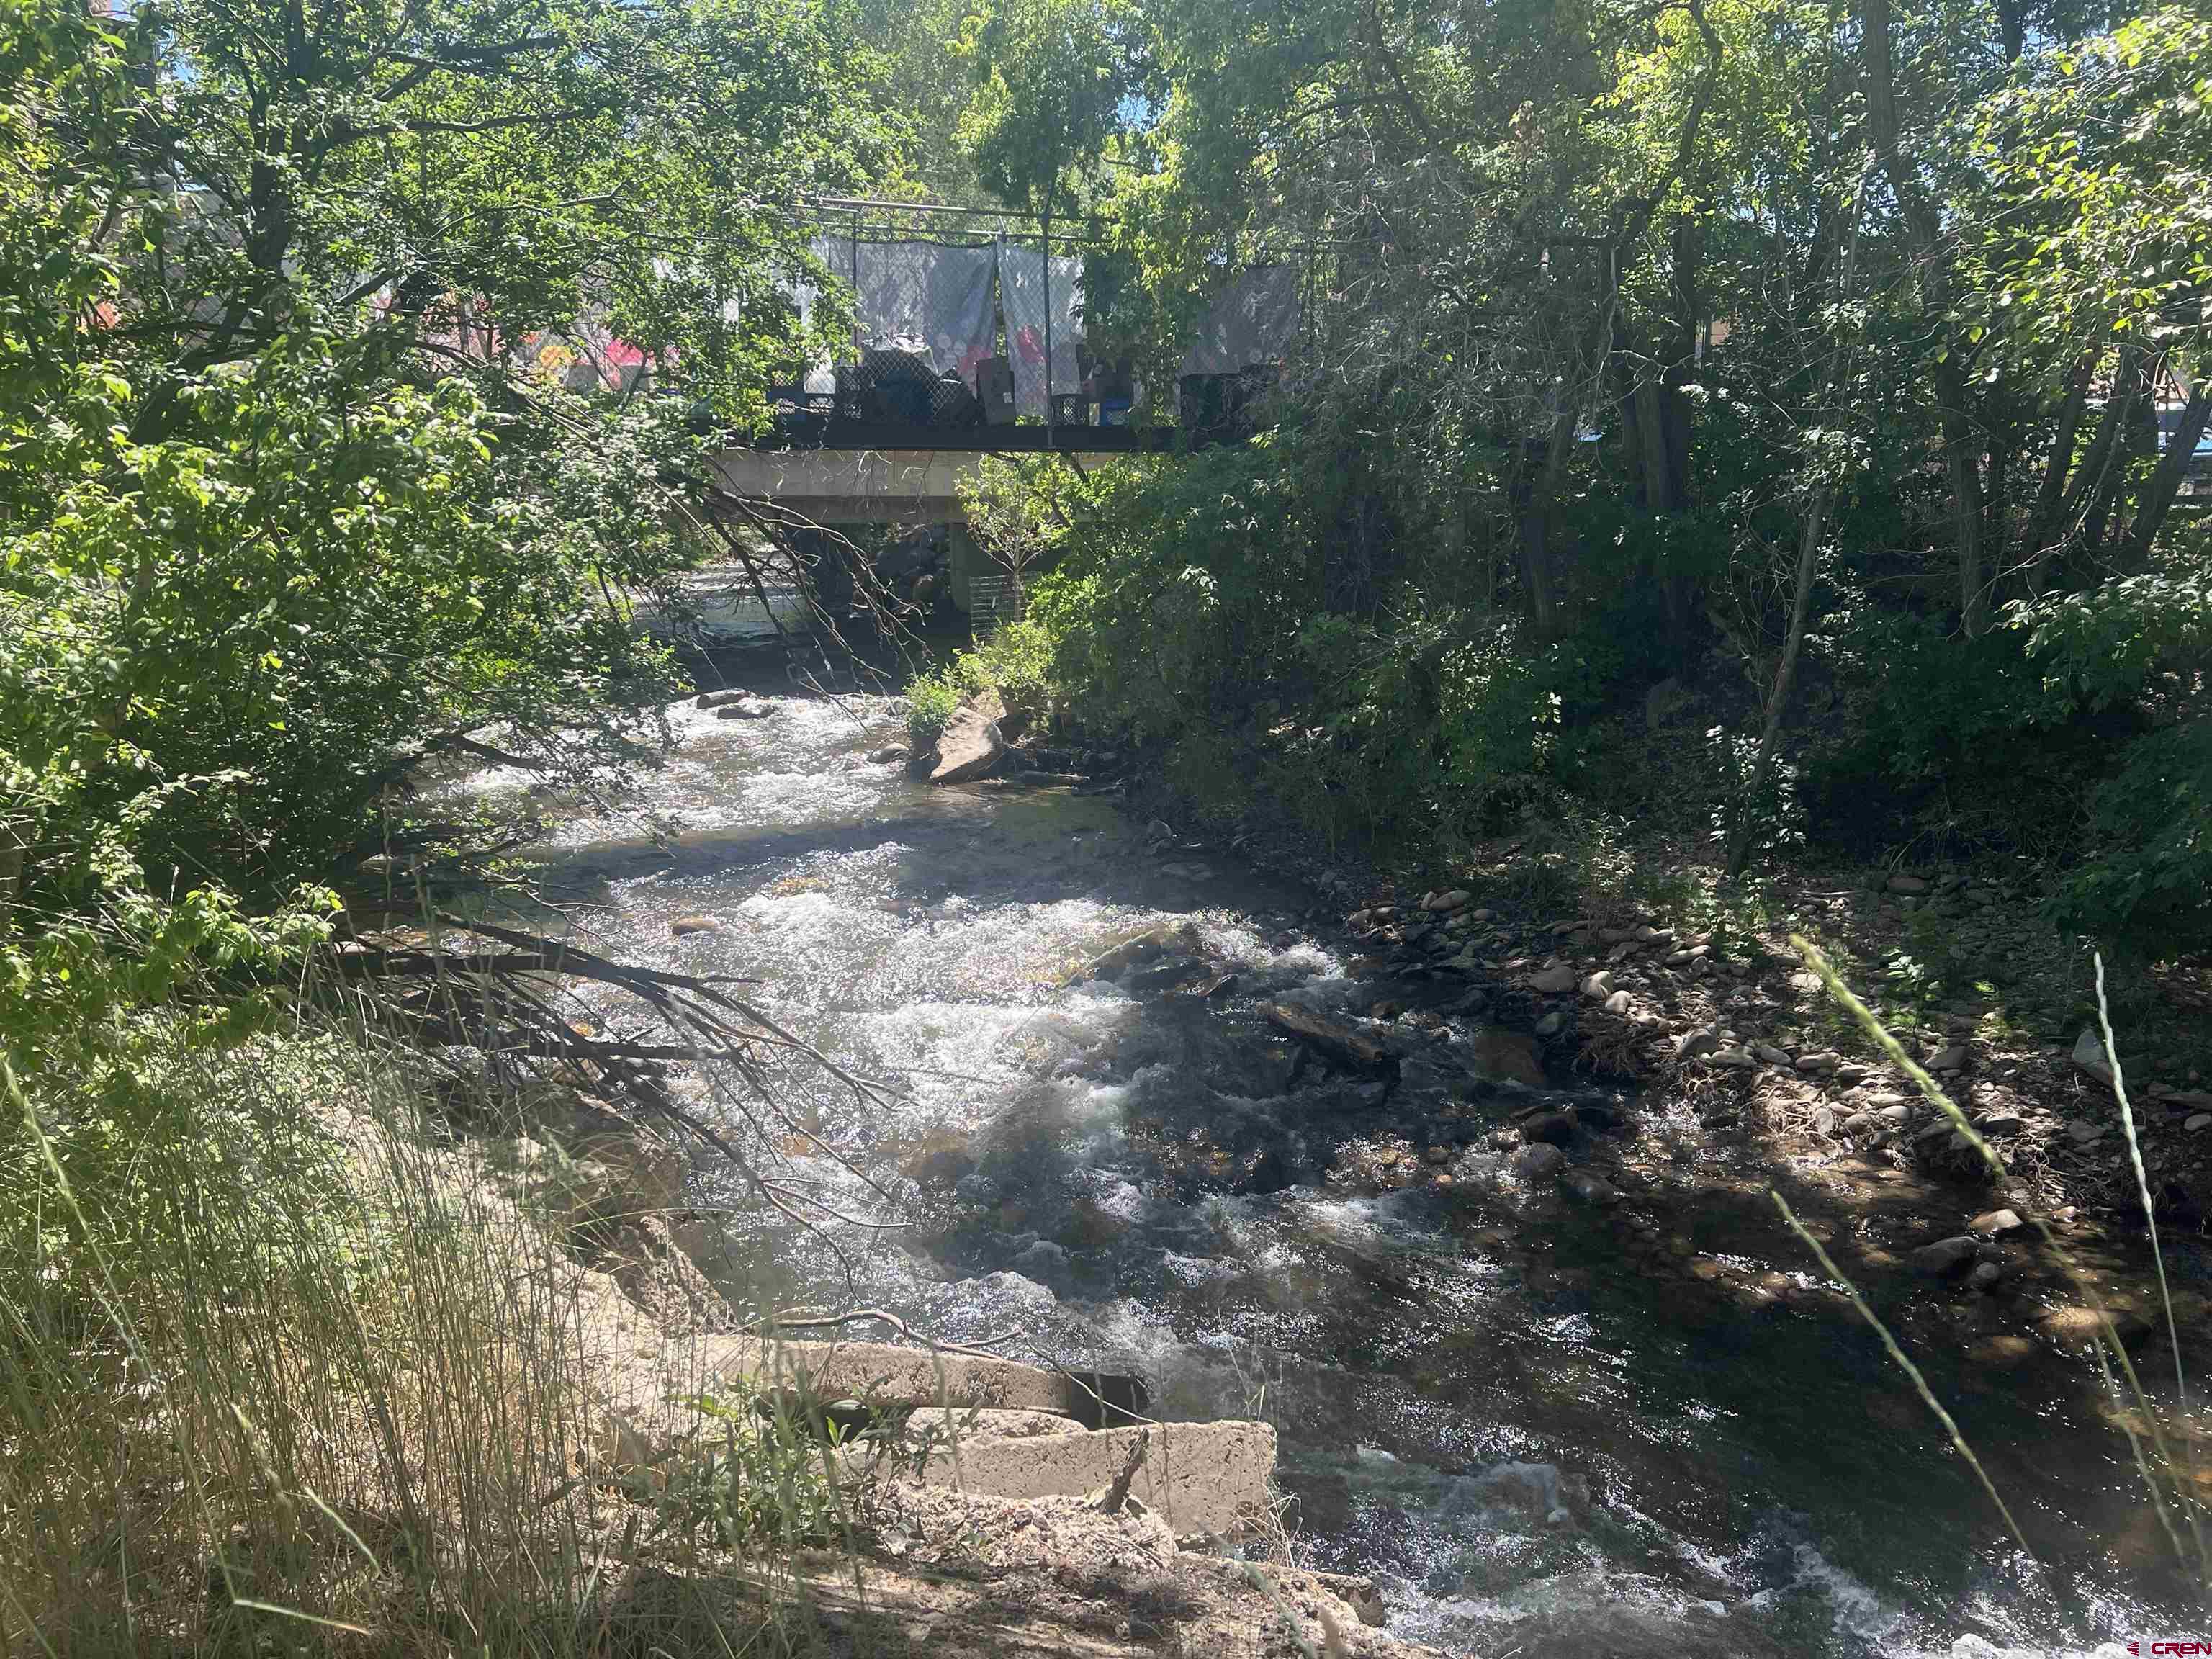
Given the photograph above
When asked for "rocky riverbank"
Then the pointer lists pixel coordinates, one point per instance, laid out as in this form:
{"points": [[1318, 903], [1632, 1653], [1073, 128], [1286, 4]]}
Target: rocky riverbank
{"points": [[985, 1507], [1691, 1006]]}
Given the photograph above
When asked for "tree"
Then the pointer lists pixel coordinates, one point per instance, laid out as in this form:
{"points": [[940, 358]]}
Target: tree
{"points": [[294, 488]]}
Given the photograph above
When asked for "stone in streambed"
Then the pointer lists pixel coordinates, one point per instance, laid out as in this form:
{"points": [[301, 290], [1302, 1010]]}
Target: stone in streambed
{"points": [[1337, 1039], [1538, 1163], [1945, 1256], [2075, 1328], [1556, 1128], [1590, 1186], [970, 747], [1498, 1053], [890, 752], [684, 925], [1551, 982], [744, 711]]}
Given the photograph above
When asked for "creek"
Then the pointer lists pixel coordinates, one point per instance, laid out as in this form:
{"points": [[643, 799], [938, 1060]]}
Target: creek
{"points": [[1650, 1428]]}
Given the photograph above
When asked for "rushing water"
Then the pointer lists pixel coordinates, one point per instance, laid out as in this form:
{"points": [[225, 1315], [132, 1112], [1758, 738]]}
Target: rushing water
{"points": [[1545, 1428]]}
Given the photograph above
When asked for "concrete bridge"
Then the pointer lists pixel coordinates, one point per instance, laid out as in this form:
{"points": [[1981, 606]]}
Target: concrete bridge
{"points": [[907, 488], [909, 475]]}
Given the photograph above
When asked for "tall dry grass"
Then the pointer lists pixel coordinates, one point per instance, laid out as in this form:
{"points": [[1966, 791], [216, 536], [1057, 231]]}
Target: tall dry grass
{"points": [[2163, 1450], [278, 1374]]}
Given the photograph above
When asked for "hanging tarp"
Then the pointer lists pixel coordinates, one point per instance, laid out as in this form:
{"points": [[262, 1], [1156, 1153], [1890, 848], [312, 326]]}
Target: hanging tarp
{"points": [[1254, 321], [938, 298], [1024, 277]]}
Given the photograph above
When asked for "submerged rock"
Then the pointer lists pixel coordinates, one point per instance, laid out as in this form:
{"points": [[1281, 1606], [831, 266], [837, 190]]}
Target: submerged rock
{"points": [[1538, 1163], [1338, 1040]]}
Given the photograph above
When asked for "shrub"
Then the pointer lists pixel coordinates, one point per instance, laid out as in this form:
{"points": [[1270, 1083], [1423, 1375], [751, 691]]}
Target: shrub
{"points": [[1013, 662]]}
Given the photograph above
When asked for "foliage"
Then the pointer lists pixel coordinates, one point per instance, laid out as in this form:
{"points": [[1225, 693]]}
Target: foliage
{"points": [[1583, 279], [292, 486], [1012, 663], [1049, 79]]}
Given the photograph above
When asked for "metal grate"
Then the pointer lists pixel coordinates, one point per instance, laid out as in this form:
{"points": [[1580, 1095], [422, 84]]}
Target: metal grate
{"points": [[993, 597]]}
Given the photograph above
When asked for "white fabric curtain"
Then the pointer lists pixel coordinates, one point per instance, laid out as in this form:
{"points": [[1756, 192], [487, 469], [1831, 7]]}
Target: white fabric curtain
{"points": [[1028, 282], [938, 298], [1255, 320]]}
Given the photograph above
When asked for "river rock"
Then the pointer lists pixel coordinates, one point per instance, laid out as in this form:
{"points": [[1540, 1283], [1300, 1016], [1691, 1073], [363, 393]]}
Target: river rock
{"points": [[1551, 981], [1538, 1163], [744, 711], [1995, 1224], [684, 925], [1905, 883], [1945, 1256], [1338, 1039], [1558, 1129], [717, 699], [2089, 1058], [1696, 1045], [1598, 987], [1620, 1003], [970, 747], [1951, 1058], [1768, 1054], [890, 752], [1736, 1060], [1551, 1025], [1498, 1053], [1111, 964], [1458, 898], [1590, 1186], [1819, 1059], [2197, 1123], [1984, 1276], [2075, 1328]]}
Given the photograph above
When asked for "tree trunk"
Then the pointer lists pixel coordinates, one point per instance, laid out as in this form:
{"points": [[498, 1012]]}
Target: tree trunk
{"points": [[1962, 455], [2102, 486], [2166, 482], [1785, 674], [2042, 533]]}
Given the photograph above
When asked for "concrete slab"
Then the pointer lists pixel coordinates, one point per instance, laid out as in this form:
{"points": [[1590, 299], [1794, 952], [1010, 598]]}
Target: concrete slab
{"points": [[1199, 1477], [882, 1372]]}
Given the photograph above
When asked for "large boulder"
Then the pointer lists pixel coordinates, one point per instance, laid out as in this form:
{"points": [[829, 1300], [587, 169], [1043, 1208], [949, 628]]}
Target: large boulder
{"points": [[970, 747]]}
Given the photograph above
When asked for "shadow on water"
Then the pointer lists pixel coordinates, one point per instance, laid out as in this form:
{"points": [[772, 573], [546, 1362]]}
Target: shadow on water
{"points": [[1646, 1427]]}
